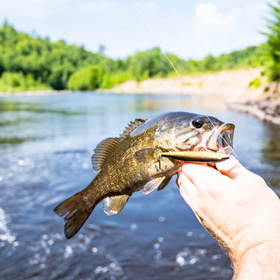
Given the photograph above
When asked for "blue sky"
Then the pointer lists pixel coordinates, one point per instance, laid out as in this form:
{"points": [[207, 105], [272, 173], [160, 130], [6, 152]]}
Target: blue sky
{"points": [[190, 29]]}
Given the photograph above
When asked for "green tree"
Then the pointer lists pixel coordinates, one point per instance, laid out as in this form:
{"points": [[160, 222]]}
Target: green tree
{"points": [[272, 68], [50, 63], [88, 78], [148, 64], [210, 63], [101, 50], [29, 62]]}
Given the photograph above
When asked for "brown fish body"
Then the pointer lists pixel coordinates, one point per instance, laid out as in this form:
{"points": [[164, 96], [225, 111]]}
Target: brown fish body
{"points": [[122, 174], [133, 162]]}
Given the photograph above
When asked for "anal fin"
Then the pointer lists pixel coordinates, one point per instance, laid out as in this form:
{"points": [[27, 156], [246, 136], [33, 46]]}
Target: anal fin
{"points": [[114, 204]]}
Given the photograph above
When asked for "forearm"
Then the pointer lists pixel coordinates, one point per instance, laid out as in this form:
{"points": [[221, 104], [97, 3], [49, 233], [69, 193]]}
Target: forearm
{"points": [[259, 262], [256, 249], [254, 252]]}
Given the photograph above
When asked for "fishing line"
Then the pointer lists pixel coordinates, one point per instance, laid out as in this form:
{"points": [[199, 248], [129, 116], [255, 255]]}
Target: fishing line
{"points": [[168, 59]]}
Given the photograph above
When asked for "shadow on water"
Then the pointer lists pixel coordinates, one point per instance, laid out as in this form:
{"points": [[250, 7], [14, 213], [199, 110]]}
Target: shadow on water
{"points": [[46, 144]]}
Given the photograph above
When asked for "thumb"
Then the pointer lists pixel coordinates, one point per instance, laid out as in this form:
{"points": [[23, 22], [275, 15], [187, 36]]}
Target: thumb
{"points": [[232, 168]]}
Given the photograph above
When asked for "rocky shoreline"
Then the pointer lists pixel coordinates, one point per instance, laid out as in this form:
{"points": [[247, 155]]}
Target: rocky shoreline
{"points": [[266, 105], [264, 110]]}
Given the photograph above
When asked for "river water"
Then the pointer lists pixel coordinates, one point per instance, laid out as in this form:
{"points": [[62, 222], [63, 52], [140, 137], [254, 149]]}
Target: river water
{"points": [[46, 144]]}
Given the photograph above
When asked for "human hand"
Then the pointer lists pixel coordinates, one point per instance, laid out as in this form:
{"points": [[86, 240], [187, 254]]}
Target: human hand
{"points": [[238, 209]]}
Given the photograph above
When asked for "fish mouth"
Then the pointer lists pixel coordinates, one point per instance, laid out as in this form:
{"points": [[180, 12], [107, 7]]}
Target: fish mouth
{"points": [[216, 146], [220, 138]]}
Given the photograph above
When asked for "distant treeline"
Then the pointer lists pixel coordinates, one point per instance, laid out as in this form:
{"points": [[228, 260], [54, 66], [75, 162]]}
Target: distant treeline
{"points": [[32, 63]]}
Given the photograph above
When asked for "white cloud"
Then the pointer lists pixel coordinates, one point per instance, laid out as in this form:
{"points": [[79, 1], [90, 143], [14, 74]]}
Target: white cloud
{"points": [[32, 9], [149, 6], [99, 7], [208, 17]]}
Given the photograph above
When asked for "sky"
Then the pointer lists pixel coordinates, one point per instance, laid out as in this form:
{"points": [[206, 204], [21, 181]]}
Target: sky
{"points": [[187, 28]]}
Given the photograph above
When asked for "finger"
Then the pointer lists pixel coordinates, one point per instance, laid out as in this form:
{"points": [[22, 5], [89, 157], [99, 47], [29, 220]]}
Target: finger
{"points": [[185, 185], [187, 190], [202, 176], [185, 196], [178, 181], [233, 169]]}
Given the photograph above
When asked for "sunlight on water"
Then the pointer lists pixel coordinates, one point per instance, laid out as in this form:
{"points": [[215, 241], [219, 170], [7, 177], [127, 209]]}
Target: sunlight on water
{"points": [[6, 238]]}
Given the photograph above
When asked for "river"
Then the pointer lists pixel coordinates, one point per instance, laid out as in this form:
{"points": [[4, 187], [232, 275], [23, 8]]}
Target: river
{"points": [[46, 144]]}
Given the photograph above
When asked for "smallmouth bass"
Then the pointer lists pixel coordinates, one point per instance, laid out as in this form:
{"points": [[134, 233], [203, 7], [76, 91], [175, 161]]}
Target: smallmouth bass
{"points": [[144, 156]]}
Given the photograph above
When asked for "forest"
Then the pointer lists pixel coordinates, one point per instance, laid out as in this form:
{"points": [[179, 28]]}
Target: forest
{"points": [[29, 62]]}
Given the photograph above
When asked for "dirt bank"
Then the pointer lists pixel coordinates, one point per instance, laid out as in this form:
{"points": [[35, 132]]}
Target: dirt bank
{"points": [[231, 87]]}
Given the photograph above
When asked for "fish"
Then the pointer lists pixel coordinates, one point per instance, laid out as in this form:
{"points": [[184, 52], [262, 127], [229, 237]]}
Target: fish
{"points": [[145, 157]]}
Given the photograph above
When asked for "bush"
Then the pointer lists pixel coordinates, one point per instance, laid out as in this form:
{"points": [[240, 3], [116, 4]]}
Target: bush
{"points": [[88, 78], [110, 81], [12, 82], [256, 83]]}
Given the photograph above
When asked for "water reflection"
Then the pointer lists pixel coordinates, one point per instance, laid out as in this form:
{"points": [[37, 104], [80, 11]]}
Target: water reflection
{"points": [[271, 143], [56, 121], [34, 108]]}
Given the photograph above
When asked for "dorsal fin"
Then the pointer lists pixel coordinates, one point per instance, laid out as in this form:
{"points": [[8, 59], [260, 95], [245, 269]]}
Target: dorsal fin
{"points": [[103, 151], [106, 147], [131, 126]]}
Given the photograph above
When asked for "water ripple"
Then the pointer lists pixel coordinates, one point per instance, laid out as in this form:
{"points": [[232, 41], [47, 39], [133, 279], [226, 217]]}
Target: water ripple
{"points": [[6, 237]]}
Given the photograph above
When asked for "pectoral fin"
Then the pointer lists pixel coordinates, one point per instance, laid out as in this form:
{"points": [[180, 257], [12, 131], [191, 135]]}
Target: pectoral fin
{"points": [[147, 155], [114, 204], [164, 183], [152, 185]]}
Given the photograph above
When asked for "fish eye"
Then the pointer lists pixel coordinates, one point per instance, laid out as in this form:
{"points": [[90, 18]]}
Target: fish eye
{"points": [[197, 123]]}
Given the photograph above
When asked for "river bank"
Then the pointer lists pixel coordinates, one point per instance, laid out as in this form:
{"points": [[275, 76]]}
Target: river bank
{"points": [[34, 93], [266, 108], [230, 87]]}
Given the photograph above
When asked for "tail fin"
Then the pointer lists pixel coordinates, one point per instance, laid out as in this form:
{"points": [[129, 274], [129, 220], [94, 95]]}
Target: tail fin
{"points": [[76, 214]]}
